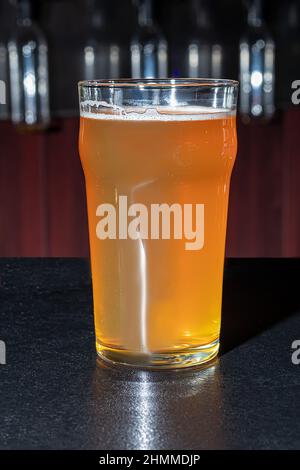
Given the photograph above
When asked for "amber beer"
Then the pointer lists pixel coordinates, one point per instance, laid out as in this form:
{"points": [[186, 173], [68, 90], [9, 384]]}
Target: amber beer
{"points": [[157, 301]]}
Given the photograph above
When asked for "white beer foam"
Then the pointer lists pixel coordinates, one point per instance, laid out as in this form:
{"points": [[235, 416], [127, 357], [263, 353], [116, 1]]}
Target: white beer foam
{"points": [[104, 111]]}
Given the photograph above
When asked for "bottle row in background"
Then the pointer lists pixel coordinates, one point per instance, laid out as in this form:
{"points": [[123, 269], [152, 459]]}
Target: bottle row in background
{"points": [[24, 57]]}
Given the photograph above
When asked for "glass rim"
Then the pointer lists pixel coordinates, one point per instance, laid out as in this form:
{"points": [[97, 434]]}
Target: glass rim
{"points": [[140, 83]]}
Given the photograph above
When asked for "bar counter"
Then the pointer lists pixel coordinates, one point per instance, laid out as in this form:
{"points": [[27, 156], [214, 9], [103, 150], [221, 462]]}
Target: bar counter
{"points": [[55, 394]]}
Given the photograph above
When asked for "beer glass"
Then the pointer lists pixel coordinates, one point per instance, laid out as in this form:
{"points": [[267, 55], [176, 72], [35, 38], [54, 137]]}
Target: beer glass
{"points": [[157, 157]]}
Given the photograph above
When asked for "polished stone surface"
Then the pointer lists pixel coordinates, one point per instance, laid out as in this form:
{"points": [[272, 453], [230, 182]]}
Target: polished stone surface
{"points": [[55, 394]]}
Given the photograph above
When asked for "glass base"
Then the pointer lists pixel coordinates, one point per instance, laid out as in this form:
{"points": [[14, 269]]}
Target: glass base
{"points": [[175, 360]]}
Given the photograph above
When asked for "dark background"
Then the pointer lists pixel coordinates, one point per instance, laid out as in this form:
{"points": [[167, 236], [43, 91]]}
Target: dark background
{"points": [[42, 205]]}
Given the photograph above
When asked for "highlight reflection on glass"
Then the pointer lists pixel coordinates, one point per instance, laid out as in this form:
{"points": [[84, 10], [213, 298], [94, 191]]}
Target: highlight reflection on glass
{"points": [[28, 61], [257, 62]]}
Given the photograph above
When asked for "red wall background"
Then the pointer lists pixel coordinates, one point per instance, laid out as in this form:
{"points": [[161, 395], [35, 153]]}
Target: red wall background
{"points": [[42, 199]]}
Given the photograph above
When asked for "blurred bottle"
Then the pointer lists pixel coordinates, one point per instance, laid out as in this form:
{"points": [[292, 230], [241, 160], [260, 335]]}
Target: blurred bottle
{"points": [[4, 107], [4, 76], [149, 51], [197, 52], [102, 52], [288, 50], [28, 62], [257, 72]]}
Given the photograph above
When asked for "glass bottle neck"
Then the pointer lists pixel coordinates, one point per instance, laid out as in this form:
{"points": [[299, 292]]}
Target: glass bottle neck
{"points": [[145, 13], [95, 15], [255, 17], [200, 14], [24, 12]]}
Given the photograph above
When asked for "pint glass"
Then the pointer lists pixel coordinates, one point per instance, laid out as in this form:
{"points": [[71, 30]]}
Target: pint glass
{"points": [[157, 157]]}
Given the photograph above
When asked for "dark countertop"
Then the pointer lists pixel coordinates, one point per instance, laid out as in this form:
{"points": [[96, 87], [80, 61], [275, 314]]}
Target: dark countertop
{"points": [[55, 394]]}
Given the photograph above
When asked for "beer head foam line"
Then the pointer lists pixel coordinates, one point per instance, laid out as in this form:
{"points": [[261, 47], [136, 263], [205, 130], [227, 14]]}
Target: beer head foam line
{"points": [[102, 110]]}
